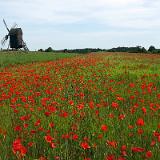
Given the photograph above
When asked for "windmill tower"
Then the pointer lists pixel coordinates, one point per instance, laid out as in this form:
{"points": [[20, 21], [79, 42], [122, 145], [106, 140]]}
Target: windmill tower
{"points": [[15, 36]]}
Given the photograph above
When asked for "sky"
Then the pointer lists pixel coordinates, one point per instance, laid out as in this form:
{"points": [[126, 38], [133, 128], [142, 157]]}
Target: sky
{"points": [[73, 24]]}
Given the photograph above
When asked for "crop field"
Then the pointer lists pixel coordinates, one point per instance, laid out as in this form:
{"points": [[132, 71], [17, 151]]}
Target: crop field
{"points": [[103, 106]]}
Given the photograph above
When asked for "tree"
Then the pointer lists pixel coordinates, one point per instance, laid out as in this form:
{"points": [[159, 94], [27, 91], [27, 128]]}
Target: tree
{"points": [[49, 49], [151, 49], [40, 50]]}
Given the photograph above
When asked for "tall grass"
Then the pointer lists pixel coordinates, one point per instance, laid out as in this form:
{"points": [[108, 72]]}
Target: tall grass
{"points": [[13, 58], [90, 107]]}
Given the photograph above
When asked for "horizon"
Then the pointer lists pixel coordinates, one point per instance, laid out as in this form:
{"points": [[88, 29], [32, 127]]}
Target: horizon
{"points": [[75, 24]]}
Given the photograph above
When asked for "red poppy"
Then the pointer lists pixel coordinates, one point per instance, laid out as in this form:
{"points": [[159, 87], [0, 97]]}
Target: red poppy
{"points": [[153, 142], [51, 124], [80, 106], [52, 145], [38, 122], [18, 128], [115, 105], [140, 122], [18, 147], [140, 131], [123, 148], [48, 138], [91, 104], [75, 137], [104, 127], [131, 85], [120, 98], [144, 110], [110, 157], [85, 145], [137, 149], [30, 144], [112, 143], [121, 116], [71, 102], [47, 114], [148, 154]]}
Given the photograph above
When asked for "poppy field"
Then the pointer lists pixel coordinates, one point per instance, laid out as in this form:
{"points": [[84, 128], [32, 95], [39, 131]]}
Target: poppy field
{"points": [[103, 106]]}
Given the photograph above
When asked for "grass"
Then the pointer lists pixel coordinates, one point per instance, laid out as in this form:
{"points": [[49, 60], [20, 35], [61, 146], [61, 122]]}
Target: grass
{"points": [[14, 58], [89, 107]]}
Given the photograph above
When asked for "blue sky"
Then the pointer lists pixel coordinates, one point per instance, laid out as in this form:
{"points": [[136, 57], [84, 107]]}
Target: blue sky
{"points": [[84, 23]]}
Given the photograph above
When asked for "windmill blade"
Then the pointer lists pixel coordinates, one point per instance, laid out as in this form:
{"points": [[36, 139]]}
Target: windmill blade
{"points": [[25, 47], [3, 41], [14, 26], [5, 24]]}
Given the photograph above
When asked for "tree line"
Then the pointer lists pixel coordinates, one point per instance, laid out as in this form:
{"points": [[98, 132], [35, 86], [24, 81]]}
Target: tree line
{"points": [[137, 49]]}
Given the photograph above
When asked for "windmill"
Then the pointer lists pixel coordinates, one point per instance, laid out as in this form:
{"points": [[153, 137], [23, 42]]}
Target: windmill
{"points": [[15, 36]]}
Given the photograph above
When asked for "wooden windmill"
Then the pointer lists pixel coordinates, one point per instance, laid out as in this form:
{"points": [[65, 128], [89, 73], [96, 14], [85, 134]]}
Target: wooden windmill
{"points": [[15, 36]]}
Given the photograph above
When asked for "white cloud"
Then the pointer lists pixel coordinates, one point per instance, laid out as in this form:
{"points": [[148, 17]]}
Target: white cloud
{"points": [[35, 16]]}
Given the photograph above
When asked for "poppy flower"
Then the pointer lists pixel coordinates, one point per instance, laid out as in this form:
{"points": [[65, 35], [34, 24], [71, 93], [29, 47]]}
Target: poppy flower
{"points": [[115, 105], [144, 110], [75, 137], [140, 122], [104, 127], [148, 154], [18, 128], [121, 116], [112, 143], [110, 157], [48, 138], [85, 145], [18, 147], [137, 149], [71, 102]]}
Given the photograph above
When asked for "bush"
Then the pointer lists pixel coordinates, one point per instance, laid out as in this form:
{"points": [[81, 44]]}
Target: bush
{"points": [[49, 49], [151, 49]]}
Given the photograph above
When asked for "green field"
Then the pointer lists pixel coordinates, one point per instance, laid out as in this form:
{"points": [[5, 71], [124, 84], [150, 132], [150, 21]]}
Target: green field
{"points": [[12, 58], [102, 106]]}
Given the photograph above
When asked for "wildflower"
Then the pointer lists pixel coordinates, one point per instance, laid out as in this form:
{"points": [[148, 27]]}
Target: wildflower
{"points": [[91, 105], [112, 144], [85, 145], [87, 158], [121, 116], [38, 122], [120, 98], [144, 110], [71, 102], [48, 138], [148, 154], [18, 128], [18, 147], [153, 142], [75, 137], [131, 85], [140, 131], [140, 122], [115, 105], [51, 124], [80, 106], [110, 157], [30, 144], [104, 127], [52, 145], [137, 149]]}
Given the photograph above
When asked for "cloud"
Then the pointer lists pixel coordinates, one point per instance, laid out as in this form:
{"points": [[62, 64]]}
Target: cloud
{"points": [[95, 18], [72, 11]]}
